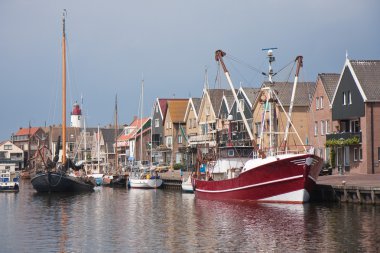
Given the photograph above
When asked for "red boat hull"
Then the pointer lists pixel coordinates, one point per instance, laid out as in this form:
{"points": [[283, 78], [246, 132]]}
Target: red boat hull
{"points": [[287, 180]]}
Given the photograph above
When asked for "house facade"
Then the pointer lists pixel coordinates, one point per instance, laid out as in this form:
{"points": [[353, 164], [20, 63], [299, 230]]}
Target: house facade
{"points": [[174, 131], [320, 114], [191, 129], [29, 140], [356, 111], [10, 153]]}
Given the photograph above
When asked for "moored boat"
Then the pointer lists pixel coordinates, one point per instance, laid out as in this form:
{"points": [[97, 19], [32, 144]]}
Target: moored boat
{"points": [[55, 177], [9, 179], [187, 185], [274, 174], [144, 179]]}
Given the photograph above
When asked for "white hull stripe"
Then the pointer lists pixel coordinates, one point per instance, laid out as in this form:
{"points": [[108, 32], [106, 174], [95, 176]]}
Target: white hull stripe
{"points": [[252, 185], [295, 196]]}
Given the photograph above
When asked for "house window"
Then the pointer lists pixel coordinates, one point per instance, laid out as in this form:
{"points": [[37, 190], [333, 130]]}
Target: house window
{"points": [[321, 102], [207, 110], [344, 98], [169, 141], [315, 128], [317, 103], [327, 155], [170, 125], [230, 152], [156, 123], [378, 153], [204, 129], [360, 154], [258, 128], [157, 108], [241, 102], [349, 98], [354, 126], [327, 126], [7, 147], [180, 139], [356, 154], [322, 127], [194, 123], [321, 152]]}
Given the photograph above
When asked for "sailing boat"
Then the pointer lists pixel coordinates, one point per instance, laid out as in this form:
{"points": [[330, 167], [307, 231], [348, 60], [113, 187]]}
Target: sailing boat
{"points": [[55, 176], [274, 177], [143, 178], [117, 179]]}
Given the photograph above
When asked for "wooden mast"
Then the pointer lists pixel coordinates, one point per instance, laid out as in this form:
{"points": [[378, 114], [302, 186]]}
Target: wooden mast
{"points": [[116, 134], [64, 90]]}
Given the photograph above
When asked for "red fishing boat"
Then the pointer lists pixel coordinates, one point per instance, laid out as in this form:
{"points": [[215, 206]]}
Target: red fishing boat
{"points": [[274, 174]]}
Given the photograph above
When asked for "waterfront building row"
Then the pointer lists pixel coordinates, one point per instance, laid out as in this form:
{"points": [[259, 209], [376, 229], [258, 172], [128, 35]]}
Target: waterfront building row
{"points": [[338, 115]]}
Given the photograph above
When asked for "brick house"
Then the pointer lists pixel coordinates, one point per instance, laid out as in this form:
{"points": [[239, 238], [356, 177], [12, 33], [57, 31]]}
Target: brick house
{"points": [[356, 111], [320, 114]]}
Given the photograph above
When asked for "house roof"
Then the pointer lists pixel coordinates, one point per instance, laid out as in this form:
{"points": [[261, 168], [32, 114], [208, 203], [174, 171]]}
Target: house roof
{"points": [[177, 109], [284, 89], [136, 124], [26, 131], [197, 104], [216, 96], [109, 137], [252, 94], [368, 75], [162, 103], [329, 82], [71, 133]]}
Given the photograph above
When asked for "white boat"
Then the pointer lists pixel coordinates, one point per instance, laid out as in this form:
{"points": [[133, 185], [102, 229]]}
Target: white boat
{"points": [[187, 185], [145, 180], [9, 179], [144, 177]]}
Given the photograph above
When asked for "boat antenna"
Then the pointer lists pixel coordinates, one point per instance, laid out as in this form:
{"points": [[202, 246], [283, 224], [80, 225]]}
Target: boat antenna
{"points": [[271, 59]]}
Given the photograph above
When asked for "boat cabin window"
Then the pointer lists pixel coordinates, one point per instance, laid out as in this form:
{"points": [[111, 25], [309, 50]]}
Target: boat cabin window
{"points": [[231, 153]]}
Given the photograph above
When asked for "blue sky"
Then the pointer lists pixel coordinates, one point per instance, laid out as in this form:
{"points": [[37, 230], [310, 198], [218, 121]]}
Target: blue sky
{"points": [[112, 44]]}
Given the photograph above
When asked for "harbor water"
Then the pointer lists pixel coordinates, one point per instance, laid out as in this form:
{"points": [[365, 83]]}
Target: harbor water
{"points": [[135, 220]]}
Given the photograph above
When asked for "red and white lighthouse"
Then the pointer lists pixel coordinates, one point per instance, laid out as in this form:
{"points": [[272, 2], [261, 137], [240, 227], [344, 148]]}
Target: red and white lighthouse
{"points": [[76, 116]]}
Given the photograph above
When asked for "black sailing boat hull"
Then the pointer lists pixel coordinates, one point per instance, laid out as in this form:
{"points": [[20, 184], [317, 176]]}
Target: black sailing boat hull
{"points": [[59, 182]]}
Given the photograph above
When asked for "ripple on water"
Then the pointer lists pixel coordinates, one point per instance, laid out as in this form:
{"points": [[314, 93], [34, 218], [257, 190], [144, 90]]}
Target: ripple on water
{"points": [[122, 220]]}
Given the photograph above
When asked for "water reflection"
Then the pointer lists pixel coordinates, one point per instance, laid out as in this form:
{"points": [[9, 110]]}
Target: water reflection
{"points": [[121, 220]]}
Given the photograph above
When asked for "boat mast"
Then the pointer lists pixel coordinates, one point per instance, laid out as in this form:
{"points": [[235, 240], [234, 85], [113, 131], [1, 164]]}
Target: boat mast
{"points": [[98, 140], [63, 89], [299, 65], [271, 103], [84, 134], [116, 134], [219, 57], [141, 113]]}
